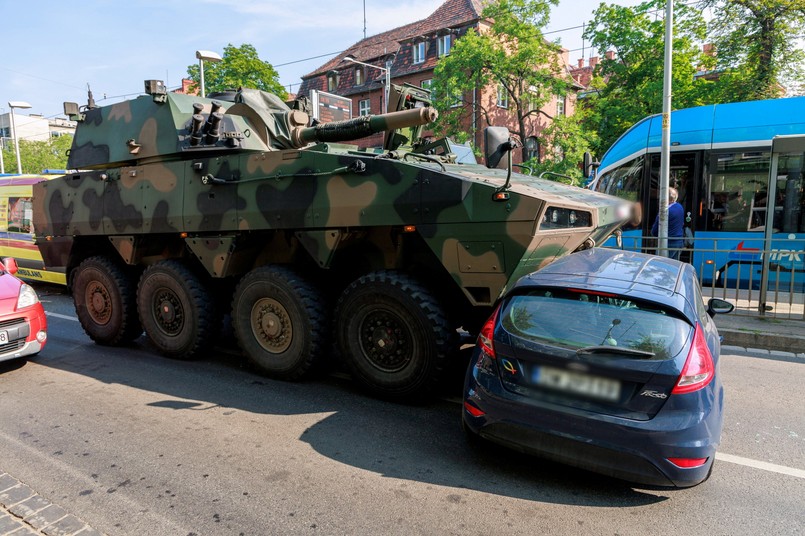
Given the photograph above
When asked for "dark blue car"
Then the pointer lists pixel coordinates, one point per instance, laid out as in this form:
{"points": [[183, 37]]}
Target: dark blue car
{"points": [[606, 360]]}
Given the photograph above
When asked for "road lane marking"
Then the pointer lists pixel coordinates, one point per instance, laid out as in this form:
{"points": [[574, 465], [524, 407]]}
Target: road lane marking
{"points": [[63, 317], [765, 466]]}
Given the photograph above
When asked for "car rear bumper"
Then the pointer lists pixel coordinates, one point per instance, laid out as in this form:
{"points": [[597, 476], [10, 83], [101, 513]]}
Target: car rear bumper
{"points": [[635, 451]]}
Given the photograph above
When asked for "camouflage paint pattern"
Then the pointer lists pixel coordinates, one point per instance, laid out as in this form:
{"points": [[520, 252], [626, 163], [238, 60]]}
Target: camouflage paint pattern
{"points": [[258, 193]]}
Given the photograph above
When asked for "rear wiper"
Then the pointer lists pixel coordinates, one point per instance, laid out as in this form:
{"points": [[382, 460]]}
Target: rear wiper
{"points": [[614, 350]]}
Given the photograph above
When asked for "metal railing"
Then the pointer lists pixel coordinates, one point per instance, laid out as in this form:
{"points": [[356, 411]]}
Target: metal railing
{"points": [[729, 270]]}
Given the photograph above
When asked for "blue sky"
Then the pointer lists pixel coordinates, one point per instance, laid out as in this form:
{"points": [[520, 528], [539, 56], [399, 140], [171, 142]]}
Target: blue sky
{"points": [[53, 49]]}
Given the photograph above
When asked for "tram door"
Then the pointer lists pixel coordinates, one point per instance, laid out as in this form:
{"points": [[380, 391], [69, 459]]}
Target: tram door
{"points": [[685, 168]]}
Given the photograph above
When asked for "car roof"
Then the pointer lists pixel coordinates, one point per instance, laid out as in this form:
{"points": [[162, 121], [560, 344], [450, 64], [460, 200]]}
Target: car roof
{"points": [[627, 273]]}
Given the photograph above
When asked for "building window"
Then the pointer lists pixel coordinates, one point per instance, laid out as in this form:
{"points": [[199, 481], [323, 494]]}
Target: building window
{"points": [[532, 148], [503, 97], [426, 84], [364, 107], [560, 106], [419, 52], [332, 82], [458, 99], [358, 76], [444, 45]]}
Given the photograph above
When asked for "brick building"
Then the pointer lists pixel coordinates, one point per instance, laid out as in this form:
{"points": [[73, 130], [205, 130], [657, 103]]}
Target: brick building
{"points": [[410, 53]]}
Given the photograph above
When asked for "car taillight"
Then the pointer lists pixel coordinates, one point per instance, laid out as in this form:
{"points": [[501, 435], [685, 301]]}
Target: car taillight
{"points": [[487, 335], [699, 368]]}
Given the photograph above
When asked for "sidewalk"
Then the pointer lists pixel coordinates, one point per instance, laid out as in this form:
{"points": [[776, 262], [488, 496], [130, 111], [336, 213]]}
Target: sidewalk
{"points": [[763, 334], [23, 512]]}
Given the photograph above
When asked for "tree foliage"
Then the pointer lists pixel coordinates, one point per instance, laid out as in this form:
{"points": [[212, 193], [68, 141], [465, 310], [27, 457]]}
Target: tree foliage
{"points": [[513, 56], [629, 86], [239, 67], [758, 46], [568, 140], [36, 156]]}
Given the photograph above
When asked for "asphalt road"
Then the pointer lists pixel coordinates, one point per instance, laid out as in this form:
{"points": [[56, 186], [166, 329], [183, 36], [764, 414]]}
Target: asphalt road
{"points": [[136, 444]]}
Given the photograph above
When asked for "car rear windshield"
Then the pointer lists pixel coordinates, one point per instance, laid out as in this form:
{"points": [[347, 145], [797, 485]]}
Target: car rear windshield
{"points": [[582, 319]]}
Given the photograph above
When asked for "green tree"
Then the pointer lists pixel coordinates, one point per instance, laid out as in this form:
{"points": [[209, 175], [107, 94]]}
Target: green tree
{"points": [[513, 56], [758, 46], [629, 86], [36, 156], [569, 140], [239, 67]]}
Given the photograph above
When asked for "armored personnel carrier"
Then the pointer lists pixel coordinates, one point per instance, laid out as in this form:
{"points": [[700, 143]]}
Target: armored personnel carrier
{"points": [[186, 209]]}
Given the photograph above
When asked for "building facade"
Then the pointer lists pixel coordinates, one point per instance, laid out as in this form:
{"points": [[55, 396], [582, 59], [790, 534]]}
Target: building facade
{"points": [[409, 54], [33, 127]]}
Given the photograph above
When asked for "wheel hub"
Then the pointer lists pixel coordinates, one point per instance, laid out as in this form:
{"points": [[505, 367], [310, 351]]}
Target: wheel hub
{"points": [[271, 325], [168, 312], [99, 303], [386, 341]]}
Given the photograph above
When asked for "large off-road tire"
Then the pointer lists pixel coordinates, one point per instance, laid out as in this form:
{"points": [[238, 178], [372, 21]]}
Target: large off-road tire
{"points": [[280, 322], [104, 294], [176, 310], [394, 336]]}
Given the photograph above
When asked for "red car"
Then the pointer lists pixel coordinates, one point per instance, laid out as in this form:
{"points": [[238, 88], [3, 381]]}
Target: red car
{"points": [[23, 326]]}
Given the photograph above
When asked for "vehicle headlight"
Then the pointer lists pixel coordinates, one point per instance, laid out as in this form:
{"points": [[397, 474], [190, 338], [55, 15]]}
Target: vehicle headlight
{"points": [[27, 296], [565, 218]]}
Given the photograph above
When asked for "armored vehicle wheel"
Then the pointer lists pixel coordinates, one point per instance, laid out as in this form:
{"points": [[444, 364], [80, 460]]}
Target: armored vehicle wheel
{"points": [[394, 335], [280, 322], [175, 309], [105, 302]]}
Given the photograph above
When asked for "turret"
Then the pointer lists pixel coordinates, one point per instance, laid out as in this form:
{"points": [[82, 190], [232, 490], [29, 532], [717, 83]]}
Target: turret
{"points": [[171, 126]]}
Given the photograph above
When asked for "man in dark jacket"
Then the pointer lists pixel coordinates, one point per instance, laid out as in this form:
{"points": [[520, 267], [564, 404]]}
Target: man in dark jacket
{"points": [[676, 222]]}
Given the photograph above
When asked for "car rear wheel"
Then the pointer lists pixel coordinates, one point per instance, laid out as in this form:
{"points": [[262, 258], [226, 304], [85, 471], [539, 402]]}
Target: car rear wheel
{"points": [[280, 322], [104, 295], [394, 335], [175, 310]]}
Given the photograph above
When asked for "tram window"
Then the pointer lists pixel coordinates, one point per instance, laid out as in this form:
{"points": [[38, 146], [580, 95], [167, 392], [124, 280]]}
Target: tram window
{"points": [[736, 194], [624, 181], [790, 198]]}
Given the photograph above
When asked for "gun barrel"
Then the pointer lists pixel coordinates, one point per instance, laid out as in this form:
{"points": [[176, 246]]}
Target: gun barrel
{"points": [[360, 127]]}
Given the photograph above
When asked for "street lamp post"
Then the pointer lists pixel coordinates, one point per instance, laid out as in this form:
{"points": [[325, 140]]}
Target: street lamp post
{"points": [[2, 163], [203, 55], [386, 71], [21, 105]]}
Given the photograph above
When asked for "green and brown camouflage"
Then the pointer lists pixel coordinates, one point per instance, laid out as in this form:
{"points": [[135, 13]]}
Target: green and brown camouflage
{"points": [[227, 188]]}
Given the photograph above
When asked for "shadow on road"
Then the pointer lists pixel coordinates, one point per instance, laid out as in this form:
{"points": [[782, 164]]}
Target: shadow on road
{"points": [[12, 364], [423, 444]]}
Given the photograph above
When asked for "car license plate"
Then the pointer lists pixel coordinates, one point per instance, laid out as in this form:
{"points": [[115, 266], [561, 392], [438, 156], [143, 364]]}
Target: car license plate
{"points": [[3, 337], [574, 382]]}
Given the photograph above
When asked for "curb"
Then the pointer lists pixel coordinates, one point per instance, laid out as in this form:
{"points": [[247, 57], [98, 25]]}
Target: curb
{"points": [[794, 344]]}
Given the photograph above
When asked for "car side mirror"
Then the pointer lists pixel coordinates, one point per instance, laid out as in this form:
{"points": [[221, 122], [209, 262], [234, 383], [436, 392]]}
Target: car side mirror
{"points": [[718, 306], [10, 265]]}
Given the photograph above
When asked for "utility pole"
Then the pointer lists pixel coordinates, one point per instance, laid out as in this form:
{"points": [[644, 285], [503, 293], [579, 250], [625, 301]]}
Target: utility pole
{"points": [[665, 149]]}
